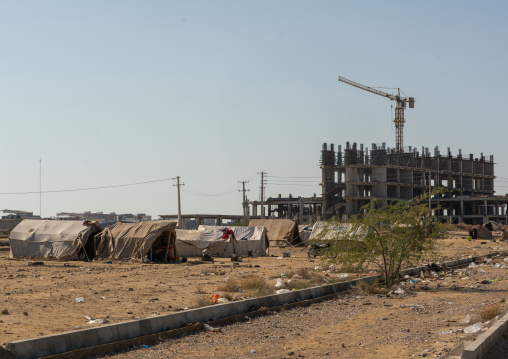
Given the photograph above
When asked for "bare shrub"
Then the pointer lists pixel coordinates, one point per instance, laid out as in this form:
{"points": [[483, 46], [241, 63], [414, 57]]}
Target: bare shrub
{"points": [[230, 286], [203, 301], [489, 312]]}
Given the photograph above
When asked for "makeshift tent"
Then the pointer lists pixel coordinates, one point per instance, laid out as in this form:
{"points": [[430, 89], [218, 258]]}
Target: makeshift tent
{"points": [[493, 226], [305, 232], [480, 232], [326, 231], [279, 231], [138, 240], [64, 240], [215, 239]]}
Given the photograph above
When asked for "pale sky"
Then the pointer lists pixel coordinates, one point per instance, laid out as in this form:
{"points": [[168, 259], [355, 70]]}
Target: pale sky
{"points": [[116, 92]]}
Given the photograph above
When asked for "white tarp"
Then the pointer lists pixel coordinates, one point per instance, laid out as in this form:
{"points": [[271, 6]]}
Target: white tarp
{"points": [[323, 230], [49, 238], [191, 243]]}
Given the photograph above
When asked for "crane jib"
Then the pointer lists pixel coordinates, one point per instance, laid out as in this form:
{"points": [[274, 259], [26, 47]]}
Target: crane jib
{"points": [[399, 111]]}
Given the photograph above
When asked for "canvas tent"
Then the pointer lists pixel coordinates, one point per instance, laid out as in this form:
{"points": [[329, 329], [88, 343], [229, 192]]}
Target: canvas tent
{"points": [[191, 243], [52, 238], [279, 231], [137, 240]]}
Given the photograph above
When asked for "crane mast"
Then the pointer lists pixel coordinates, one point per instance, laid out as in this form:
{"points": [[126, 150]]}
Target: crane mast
{"points": [[399, 109]]}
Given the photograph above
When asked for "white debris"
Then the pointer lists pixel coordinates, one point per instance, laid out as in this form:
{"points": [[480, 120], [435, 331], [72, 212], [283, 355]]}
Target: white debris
{"points": [[473, 328], [342, 275], [282, 291], [472, 265], [399, 290], [280, 283]]}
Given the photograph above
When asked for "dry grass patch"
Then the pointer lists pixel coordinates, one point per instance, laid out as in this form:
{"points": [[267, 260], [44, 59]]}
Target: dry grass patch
{"points": [[363, 288], [253, 285], [203, 301], [200, 290]]}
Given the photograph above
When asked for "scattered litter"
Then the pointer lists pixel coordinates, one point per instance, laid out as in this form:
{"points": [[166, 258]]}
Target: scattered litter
{"points": [[467, 319], [215, 298], [451, 331], [280, 283], [96, 321], [80, 300], [342, 275], [145, 346], [399, 290], [472, 265], [222, 300], [473, 328], [279, 257], [108, 262], [281, 291], [331, 268], [210, 328], [498, 265], [485, 281], [35, 263], [252, 351], [286, 254], [284, 275]]}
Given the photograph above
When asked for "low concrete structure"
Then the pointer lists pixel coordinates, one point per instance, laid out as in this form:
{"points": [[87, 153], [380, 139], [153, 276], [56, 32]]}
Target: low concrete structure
{"points": [[482, 345]]}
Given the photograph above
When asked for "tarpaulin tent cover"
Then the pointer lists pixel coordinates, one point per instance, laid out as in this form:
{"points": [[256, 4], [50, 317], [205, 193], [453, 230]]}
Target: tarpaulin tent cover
{"points": [[323, 230], [280, 231], [493, 226], [480, 232], [191, 243], [50, 238], [134, 240]]}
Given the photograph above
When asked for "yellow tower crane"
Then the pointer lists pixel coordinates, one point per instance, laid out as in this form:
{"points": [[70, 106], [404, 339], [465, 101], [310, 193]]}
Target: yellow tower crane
{"points": [[399, 109]]}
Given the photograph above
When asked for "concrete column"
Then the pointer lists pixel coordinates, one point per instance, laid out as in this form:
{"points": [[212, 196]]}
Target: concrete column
{"points": [[461, 216], [485, 215]]}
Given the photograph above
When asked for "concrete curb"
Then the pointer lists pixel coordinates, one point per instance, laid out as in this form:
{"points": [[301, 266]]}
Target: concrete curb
{"points": [[482, 345], [79, 339]]}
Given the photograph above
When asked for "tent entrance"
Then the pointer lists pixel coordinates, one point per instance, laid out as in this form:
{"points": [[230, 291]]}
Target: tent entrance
{"points": [[163, 248]]}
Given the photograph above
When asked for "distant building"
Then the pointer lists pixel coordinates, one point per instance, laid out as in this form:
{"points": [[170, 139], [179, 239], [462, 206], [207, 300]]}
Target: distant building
{"points": [[15, 214], [104, 217]]}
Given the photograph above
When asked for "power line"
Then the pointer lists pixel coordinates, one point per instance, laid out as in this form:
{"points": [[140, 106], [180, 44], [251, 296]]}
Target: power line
{"points": [[89, 188]]}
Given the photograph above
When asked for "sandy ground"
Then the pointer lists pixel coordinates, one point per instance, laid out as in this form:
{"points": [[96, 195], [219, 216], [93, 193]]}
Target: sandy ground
{"points": [[41, 300]]}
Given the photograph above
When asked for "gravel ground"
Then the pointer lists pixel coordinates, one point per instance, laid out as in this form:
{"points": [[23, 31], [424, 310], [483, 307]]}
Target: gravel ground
{"points": [[426, 321]]}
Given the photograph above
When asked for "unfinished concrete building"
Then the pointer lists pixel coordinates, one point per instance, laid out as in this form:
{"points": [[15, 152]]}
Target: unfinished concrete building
{"points": [[354, 176], [305, 210]]}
